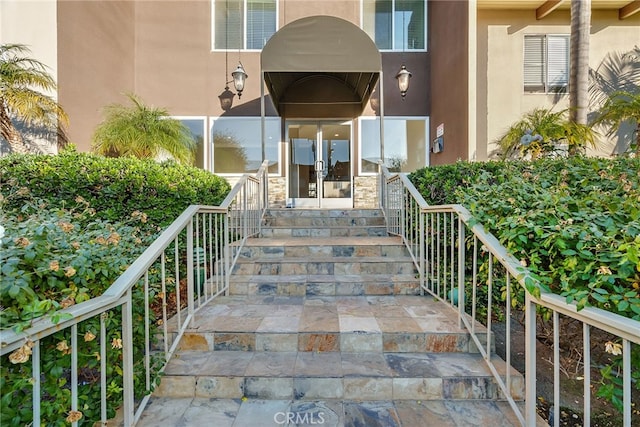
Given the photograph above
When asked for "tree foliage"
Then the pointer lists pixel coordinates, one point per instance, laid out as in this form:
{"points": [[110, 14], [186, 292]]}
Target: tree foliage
{"points": [[553, 129], [22, 80], [144, 132]]}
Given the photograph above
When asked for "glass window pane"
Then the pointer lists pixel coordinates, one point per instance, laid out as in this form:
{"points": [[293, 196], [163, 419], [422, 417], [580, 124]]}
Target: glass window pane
{"points": [[228, 24], [196, 126], [377, 16], [261, 22], [558, 62], [369, 145], [405, 144], [409, 16], [237, 145], [534, 63]]}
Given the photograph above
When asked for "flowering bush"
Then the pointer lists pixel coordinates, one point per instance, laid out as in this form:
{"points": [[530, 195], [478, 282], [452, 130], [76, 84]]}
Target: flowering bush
{"points": [[71, 224], [575, 223]]}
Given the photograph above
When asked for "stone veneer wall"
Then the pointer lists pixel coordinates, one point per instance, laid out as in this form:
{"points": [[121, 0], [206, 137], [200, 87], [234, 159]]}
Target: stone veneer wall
{"points": [[365, 194]]}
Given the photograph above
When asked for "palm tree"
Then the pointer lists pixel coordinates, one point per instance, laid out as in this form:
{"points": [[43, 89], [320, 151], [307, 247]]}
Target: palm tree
{"points": [[540, 132], [618, 108], [21, 80], [579, 50], [143, 132]]}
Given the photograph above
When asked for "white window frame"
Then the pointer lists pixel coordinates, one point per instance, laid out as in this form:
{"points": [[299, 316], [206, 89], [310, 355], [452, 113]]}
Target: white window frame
{"points": [[547, 57], [244, 25], [388, 119], [213, 119], [393, 28]]}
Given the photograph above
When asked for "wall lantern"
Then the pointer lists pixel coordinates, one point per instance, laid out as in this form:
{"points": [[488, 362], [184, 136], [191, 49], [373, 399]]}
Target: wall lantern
{"points": [[239, 76], [403, 77], [226, 99]]}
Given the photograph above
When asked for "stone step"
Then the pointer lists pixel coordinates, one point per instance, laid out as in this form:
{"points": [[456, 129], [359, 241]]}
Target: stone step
{"points": [[399, 324], [315, 247], [323, 266], [321, 218], [196, 411], [325, 285], [333, 375], [350, 231]]}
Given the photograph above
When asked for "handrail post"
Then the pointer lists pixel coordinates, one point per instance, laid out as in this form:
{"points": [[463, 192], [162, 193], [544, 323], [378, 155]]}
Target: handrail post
{"points": [[530, 360], [190, 275], [421, 240], [461, 272], [227, 253], [127, 360]]}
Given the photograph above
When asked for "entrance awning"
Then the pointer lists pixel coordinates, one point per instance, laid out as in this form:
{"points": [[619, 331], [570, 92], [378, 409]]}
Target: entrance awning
{"points": [[320, 66]]}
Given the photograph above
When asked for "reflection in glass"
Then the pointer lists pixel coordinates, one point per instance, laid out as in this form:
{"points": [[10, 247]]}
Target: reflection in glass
{"points": [[237, 145]]}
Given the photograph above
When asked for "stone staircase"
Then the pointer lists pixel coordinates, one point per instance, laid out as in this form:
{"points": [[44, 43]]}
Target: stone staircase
{"points": [[324, 325]]}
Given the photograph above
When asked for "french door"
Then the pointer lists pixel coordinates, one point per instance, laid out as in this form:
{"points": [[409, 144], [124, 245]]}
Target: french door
{"points": [[320, 167]]}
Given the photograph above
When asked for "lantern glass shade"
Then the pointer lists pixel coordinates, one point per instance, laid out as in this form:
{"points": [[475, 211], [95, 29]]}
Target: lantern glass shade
{"points": [[239, 77], [226, 99], [403, 77]]}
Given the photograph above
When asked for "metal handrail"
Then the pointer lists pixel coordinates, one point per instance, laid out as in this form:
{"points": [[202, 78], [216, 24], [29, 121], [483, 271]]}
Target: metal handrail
{"points": [[218, 232], [436, 237]]}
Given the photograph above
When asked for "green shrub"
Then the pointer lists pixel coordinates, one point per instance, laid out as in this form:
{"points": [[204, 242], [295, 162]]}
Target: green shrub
{"points": [[71, 224], [114, 187], [575, 223]]}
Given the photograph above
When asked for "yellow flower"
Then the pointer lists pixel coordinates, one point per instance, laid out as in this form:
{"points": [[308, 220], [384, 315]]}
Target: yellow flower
{"points": [[22, 241], [116, 343], [613, 348], [523, 262], [74, 416], [604, 270], [89, 336], [22, 354], [63, 347], [67, 302], [65, 226], [101, 240], [97, 355], [22, 191], [113, 238], [54, 266], [76, 245], [69, 271]]}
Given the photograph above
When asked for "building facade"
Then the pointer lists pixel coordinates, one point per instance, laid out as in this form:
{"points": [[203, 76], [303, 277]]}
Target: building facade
{"points": [[321, 102]]}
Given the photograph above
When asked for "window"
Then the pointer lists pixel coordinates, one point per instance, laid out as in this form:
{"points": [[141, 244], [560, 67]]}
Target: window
{"points": [[237, 145], [243, 24], [396, 24], [197, 127], [405, 144], [546, 63]]}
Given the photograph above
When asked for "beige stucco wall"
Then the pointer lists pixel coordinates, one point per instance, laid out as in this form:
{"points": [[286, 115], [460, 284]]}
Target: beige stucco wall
{"points": [[501, 99]]}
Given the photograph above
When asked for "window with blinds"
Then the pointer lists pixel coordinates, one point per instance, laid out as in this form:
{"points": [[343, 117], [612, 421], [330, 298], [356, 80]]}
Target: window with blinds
{"points": [[396, 24], [546, 63], [243, 24]]}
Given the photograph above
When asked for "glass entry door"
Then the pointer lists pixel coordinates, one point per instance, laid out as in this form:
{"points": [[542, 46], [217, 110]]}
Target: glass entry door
{"points": [[320, 165]]}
